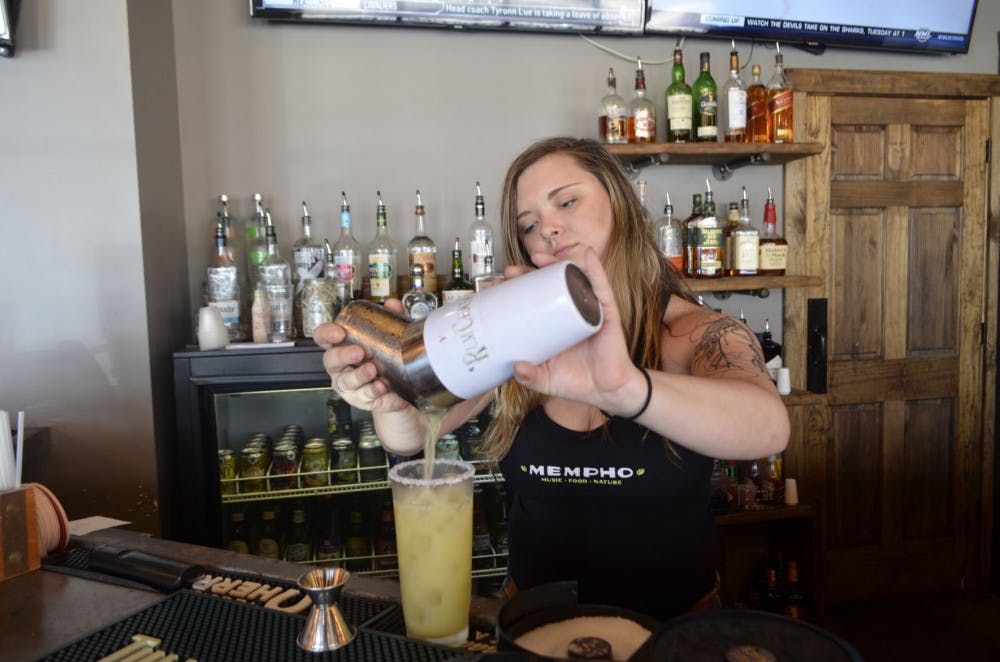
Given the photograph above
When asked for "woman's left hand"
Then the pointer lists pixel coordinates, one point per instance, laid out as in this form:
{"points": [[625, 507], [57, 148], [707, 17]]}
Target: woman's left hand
{"points": [[598, 370]]}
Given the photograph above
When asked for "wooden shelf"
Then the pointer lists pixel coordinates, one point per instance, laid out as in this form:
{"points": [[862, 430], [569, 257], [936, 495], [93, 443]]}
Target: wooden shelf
{"points": [[773, 514], [743, 283], [714, 153]]}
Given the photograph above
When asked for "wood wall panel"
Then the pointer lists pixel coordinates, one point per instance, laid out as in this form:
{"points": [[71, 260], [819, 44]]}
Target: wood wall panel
{"points": [[932, 112], [862, 194], [855, 483], [932, 291], [855, 324], [858, 152]]}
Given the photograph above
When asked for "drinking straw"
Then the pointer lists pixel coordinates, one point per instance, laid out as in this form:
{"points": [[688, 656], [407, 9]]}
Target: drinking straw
{"points": [[20, 449]]}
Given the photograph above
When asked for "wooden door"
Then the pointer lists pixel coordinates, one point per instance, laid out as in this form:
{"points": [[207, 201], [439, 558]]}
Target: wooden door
{"points": [[895, 217]]}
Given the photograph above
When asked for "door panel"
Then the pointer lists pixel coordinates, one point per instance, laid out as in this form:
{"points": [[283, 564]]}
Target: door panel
{"points": [[902, 236]]}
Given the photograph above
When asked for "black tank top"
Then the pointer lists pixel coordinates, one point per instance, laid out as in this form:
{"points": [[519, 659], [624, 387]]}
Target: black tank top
{"points": [[623, 516]]}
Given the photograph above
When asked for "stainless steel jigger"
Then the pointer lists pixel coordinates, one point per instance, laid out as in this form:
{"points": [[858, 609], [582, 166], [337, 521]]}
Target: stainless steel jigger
{"points": [[326, 629]]}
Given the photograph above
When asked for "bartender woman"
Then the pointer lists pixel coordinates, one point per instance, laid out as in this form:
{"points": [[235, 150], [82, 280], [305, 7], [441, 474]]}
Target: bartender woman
{"points": [[608, 446]]}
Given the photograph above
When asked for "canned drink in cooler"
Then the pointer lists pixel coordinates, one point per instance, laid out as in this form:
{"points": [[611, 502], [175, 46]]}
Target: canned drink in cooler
{"points": [[371, 455], [227, 471], [315, 460], [285, 466], [252, 469], [344, 461]]}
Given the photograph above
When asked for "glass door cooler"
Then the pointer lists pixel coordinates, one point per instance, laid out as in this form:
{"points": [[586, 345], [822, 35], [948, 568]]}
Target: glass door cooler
{"points": [[270, 461]]}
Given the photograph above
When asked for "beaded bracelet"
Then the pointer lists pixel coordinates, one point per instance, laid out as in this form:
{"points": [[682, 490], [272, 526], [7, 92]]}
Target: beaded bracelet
{"points": [[649, 396]]}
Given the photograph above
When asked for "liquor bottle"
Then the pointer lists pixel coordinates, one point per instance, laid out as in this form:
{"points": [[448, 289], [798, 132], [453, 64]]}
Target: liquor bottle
{"points": [[418, 302], [224, 284], [758, 114], [381, 258], [274, 276], [611, 122], [422, 250], [488, 278], [482, 552], [347, 251], [642, 186], [322, 298], [734, 100], [298, 548], [771, 350], [705, 100], [269, 539], [457, 287], [307, 256], [772, 593], [743, 243], [641, 119], [235, 244], [773, 247], [670, 237], [795, 600], [688, 226], [256, 233], [385, 537], [779, 101], [480, 236], [731, 223], [678, 102], [239, 540], [708, 250], [770, 474], [260, 324]]}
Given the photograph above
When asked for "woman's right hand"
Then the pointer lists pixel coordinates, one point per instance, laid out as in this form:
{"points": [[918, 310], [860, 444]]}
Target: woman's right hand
{"points": [[353, 376]]}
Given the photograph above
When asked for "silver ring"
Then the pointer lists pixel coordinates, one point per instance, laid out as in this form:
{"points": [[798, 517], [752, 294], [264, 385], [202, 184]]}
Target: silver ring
{"points": [[340, 388]]}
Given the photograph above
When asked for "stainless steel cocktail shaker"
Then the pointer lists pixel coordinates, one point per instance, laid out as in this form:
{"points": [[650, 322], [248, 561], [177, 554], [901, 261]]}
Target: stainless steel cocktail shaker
{"points": [[468, 347]]}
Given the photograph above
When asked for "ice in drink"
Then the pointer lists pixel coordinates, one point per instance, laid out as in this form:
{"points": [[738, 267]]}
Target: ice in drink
{"points": [[434, 541]]}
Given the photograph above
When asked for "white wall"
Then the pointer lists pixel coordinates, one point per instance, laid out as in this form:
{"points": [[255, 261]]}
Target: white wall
{"points": [[296, 112]]}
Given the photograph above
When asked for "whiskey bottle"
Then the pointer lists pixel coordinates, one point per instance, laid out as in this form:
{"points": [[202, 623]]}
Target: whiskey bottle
{"points": [[743, 243], [481, 235], [795, 601], [422, 250], [307, 256], [488, 278], [758, 115], [688, 228], [457, 287], [418, 302], [678, 102], [274, 275], [731, 223], [381, 258], [779, 101], [670, 237], [641, 119], [708, 250], [773, 247], [705, 97], [256, 233], [734, 100], [347, 251], [611, 123], [224, 284]]}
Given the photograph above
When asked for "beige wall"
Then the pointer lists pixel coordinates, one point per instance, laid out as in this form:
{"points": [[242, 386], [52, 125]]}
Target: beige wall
{"points": [[106, 187]]}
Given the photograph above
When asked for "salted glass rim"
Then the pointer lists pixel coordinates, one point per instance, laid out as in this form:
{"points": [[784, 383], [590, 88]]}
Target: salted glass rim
{"points": [[465, 469]]}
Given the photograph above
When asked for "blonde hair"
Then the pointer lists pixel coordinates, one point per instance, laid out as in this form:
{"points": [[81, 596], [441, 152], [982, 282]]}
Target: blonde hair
{"points": [[640, 278]]}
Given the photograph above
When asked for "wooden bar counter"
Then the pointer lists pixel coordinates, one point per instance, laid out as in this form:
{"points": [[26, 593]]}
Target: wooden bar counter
{"points": [[43, 611]]}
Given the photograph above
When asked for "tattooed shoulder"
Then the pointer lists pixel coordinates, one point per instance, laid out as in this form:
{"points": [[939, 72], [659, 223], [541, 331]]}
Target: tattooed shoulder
{"points": [[725, 343]]}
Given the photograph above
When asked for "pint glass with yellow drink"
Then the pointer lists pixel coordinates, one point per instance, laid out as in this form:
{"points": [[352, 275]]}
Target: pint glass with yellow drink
{"points": [[434, 543]]}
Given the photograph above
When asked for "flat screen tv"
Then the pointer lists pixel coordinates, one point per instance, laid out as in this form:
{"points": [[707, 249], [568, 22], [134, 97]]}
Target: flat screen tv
{"points": [[603, 16], [928, 26]]}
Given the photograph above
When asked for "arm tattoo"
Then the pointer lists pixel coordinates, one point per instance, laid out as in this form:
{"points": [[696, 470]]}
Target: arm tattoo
{"points": [[710, 354]]}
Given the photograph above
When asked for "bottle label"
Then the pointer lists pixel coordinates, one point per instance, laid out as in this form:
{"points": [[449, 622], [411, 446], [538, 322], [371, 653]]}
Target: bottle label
{"points": [[449, 296], [297, 552], [780, 101], [758, 109], [380, 275], [679, 112], [230, 311], [745, 255], [773, 256], [737, 103], [645, 125], [345, 268], [708, 107], [479, 251], [308, 264], [268, 547]]}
